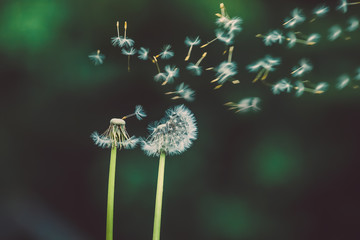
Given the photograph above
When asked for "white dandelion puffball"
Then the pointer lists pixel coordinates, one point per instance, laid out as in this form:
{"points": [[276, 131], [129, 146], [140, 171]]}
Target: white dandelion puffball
{"points": [[173, 134]]}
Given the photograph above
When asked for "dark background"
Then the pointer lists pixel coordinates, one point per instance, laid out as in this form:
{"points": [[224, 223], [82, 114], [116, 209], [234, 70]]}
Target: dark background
{"points": [[289, 171]]}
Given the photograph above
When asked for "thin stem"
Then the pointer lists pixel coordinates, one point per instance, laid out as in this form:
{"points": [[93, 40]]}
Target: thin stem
{"points": [[202, 57], [209, 42], [156, 63], [189, 52], [125, 27], [117, 28], [287, 22], [129, 63], [231, 49], [111, 189], [353, 3], [159, 195]]}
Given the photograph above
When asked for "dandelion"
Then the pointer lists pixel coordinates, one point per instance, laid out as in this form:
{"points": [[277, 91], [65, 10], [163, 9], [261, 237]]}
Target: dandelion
{"points": [[195, 68], [191, 42], [296, 18], [245, 105], [342, 81], [343, 5], [172, 135], [129, 52], [143, 53], [321, 87], [353, 24], [282, 86], [166, 52], [299, 88], [115, 137], [183, 91], [233, 25], [334, 32], [122, 41], [305, 66], [97, 58], [263, 67]]}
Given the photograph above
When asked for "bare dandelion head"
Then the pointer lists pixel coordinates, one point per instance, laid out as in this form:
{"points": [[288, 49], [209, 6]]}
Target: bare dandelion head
{"points": [[173, 134], [116, 134]]}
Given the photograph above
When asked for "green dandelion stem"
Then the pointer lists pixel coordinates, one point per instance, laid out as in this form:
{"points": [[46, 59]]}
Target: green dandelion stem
{"points": [[111, 188], [159, 195]]}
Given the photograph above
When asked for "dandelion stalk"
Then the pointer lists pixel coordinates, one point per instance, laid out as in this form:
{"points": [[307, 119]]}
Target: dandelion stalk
{"points": [[159, 196], [111, 189]]}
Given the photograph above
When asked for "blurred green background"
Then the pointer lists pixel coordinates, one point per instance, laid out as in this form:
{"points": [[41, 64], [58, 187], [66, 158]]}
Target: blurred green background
{"points": [[289, 171]]}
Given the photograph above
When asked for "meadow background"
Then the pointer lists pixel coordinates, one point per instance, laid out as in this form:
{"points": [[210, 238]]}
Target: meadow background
{"points": [[289, 171]]}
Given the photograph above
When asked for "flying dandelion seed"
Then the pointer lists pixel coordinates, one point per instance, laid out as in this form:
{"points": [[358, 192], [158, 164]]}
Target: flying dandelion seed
{"points": [[143, 53], [166, 52], [190, 43], [128, 52], [299, 88], [343, 5], [305, 66], [353, 24], [321, 87], [224, 72], [342, 82], [183, 91], [245, 105], [334, 32], [195, 68], [122, 41], [97, 58], [171, 73], [263, 67], [321, 11], [296, 18], [283, 85]]}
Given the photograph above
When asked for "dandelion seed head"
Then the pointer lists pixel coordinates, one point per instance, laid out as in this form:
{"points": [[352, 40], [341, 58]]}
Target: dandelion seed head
{"points": [[115, 136], [143, 53], [342, 81], [128, 52], [334, 32], [194, 69], [321, 10], [173, 134], [353, 24], [192, 41], [167, 52]]}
